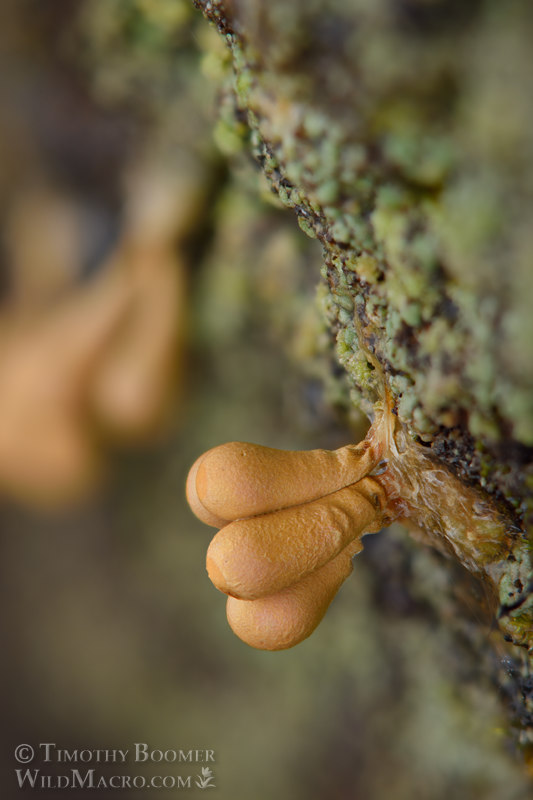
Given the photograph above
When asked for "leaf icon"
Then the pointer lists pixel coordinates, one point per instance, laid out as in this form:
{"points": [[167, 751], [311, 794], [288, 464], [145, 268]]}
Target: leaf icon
{"points": [[205, 780]]}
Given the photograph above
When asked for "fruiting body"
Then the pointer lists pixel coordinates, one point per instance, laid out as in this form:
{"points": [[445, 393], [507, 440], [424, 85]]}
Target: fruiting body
{"points": [[47, 455], [224, 486], [282, 620], [133, 383], [260, 555]]}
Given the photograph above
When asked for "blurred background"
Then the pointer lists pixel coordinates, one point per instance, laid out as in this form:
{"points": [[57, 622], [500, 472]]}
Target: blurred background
{"points": [[156, 301]]}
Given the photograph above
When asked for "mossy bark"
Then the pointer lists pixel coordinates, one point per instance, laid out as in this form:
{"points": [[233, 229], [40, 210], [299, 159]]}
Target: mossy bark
{"points": [[399, 132]]}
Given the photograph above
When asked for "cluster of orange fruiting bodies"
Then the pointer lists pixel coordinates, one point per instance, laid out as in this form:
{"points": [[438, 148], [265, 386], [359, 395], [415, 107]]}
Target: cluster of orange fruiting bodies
{"points": [[74, 377], [92, 363], [290, 523]]}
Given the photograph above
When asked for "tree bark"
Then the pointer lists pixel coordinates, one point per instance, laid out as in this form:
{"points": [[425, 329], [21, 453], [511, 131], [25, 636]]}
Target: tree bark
{"points": [[399, 133]]}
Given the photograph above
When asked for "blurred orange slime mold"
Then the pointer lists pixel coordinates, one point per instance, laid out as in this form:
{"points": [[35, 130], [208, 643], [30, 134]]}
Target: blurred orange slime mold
{"points": [[85, 363], [47, 455]]}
